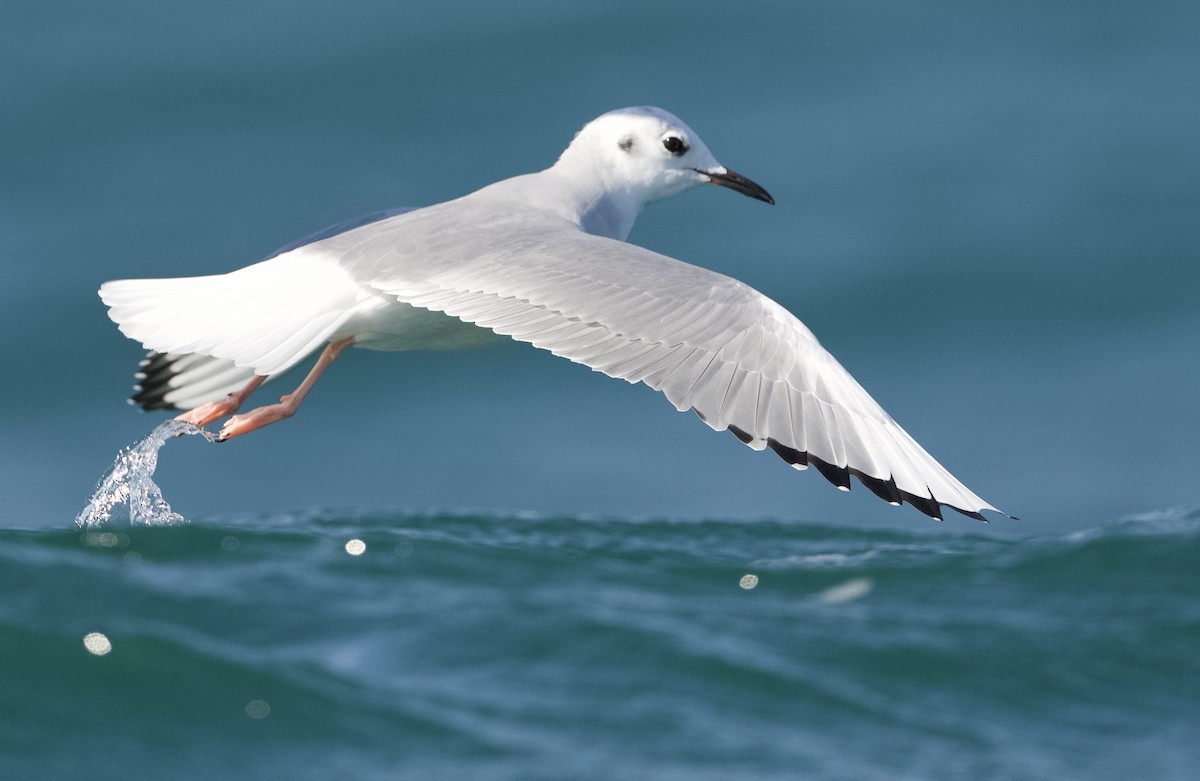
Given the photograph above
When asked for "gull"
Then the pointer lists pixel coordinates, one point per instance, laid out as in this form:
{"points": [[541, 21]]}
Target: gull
{"points": [[541, 258]]}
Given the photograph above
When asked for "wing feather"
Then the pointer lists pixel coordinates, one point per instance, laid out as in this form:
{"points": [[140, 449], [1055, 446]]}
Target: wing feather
{"points": [[708, 342]]}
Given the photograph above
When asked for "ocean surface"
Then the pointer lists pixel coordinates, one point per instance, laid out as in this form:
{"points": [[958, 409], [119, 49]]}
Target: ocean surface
{"points": [[348, 645], [987, 212]]}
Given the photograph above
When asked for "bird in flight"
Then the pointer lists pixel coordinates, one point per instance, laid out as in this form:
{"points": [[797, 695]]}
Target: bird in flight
{"points": [[541, 258]]}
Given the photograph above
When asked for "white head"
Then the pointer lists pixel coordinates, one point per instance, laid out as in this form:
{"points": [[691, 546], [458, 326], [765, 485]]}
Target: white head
{"points": [[646, 153]]}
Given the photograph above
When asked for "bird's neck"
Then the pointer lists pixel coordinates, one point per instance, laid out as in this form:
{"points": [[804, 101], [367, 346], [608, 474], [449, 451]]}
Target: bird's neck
{"points": [[587, 202], [608, 214], [596, 205]]}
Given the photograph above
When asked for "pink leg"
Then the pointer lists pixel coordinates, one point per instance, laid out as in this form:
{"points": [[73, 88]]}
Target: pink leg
{"points": [[287, 406], [207, 413]]}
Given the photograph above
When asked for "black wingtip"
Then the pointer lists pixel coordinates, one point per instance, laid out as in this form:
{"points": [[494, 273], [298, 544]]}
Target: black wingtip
{"points": [[838, 475], [969, 513], [789, 454], [925, 504], [742, 435], [154, 373], [886, 490]]}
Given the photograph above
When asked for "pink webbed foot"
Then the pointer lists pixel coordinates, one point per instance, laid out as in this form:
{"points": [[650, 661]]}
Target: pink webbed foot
{"points": [[206, 413], [257, 418]]}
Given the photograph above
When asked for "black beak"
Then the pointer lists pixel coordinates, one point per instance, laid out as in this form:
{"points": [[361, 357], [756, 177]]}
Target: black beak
{"points": [[738, 183]]}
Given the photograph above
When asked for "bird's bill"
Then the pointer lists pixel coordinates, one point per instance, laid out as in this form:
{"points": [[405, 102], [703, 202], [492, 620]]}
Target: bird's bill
{"points": [[738, 183]]}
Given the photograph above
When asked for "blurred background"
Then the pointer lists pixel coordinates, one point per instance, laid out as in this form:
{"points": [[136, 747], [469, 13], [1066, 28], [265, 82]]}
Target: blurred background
{"points": [[987, 213]]}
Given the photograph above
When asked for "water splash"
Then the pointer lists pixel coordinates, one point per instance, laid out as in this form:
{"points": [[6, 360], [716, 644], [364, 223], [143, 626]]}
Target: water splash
{"points": [[130, 481]]}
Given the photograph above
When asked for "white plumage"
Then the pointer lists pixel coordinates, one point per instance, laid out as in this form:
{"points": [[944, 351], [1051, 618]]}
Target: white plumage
{"points": [[542, 258]]}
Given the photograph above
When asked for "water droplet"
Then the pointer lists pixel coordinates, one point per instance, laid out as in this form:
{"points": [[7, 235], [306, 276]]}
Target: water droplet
{"points": [[100, 539], [257, 709], [230, 543], [748, 581], [356, 547], [96, 643]]}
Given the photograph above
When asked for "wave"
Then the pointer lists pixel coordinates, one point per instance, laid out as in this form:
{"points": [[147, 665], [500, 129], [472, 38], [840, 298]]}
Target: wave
{"points": [[523, 646]]}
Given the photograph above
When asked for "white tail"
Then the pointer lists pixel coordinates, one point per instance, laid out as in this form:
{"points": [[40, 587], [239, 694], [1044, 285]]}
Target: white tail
{"points": [[261, 319]]}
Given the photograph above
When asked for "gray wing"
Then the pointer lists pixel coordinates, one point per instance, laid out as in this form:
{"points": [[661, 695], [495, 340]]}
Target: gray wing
{"points": [[342, 227], [706, 341]]}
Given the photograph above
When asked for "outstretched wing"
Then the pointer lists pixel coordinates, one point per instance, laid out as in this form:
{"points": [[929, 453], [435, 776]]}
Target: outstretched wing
{"points": [[707, 341]]}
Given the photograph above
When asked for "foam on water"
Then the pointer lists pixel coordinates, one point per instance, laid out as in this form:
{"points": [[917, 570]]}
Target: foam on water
{"points": [[130, 481]]}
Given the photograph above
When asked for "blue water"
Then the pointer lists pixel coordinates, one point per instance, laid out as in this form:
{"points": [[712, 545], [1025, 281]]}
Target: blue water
{"points": [[986, 212], [488, 646]]}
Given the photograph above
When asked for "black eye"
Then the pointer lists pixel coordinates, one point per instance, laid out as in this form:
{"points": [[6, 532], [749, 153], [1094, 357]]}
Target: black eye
{"points": [[675, 145]]}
